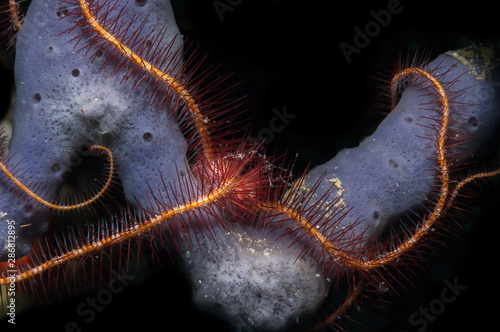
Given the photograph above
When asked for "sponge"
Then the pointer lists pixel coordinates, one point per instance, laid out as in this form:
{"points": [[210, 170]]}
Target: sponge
{"points": [[71, 95], [274, 281]]}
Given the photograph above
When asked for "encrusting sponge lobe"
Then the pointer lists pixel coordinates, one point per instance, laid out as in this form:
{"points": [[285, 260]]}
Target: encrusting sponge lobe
{"points": [[395, 170], [390, 174], [66, 103], [253, 281]]}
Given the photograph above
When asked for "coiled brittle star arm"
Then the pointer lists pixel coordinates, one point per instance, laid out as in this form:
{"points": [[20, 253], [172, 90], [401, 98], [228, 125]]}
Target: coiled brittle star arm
{"points": [[66, 207], [233, 181]]}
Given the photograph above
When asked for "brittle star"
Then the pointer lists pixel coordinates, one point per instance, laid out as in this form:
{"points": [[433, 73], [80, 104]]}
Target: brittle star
{"points": [[222, 180]]}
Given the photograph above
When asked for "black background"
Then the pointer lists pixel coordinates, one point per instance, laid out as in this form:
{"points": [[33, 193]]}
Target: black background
{"points": [[286, 54]]}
